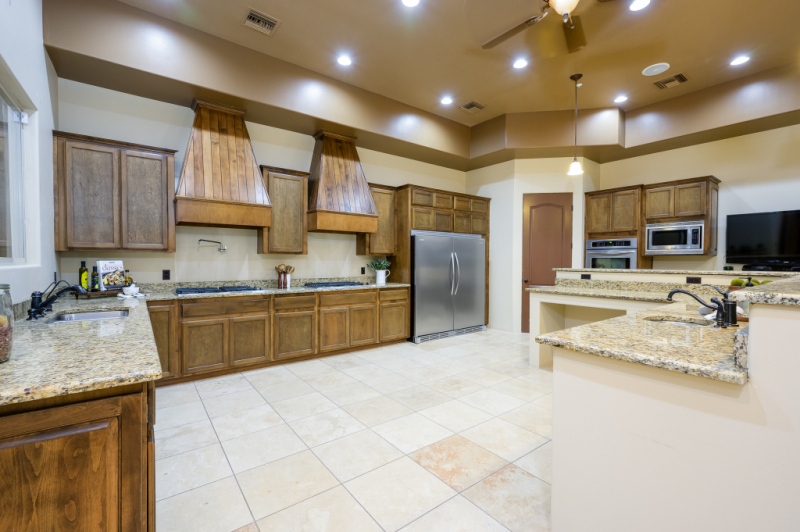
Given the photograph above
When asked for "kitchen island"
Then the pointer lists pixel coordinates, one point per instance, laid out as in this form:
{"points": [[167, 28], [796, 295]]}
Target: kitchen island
{"points": [[77, 411], [653, 406]]}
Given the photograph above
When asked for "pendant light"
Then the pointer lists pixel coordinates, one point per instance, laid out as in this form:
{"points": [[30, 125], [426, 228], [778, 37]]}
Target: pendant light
{"points": [[575, 168], [564, 7]]}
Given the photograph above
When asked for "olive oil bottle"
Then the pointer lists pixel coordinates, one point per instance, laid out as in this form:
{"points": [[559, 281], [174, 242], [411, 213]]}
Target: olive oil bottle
{"points": [[95, 279], [83, 275]]}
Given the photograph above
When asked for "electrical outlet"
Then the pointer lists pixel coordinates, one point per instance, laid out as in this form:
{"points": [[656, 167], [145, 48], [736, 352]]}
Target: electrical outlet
{"points": [[586, 276], [165, 275], [694, 280], [363, 270]]}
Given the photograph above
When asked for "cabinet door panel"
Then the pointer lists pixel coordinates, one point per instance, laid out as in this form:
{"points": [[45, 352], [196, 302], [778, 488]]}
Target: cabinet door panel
{"points": [[363, 325], [205, 345], [660, 202], [444, 221], [382, 242], [462, 222], [479, 205], [250, 340], [690, 200], [295, 334], [288, 194], [479, 226], [625, 210], [394, 321], [334, 329], [462, 204], [92, 182], [423, 219], [164, 322], [598, 213], [64, 478], [422, 197], [144, 200], [442, 201]]}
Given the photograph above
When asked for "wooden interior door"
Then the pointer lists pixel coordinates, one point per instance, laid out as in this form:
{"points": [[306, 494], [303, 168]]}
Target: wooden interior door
{"points": [[546, 242]]}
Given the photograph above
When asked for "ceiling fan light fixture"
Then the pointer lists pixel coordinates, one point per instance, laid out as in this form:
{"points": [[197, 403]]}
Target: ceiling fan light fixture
{"points": [[575, 168], [638, 5], [564, 7]]}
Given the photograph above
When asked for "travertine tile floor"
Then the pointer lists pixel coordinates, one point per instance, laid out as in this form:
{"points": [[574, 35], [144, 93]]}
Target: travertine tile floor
{"points": [[450, 435]]}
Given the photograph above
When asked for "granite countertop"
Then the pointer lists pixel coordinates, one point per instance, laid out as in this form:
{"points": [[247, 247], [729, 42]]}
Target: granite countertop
{"points": [[640, 338], [606, 293], [160, 295], [732, 273], [783, 292], [49, 360]]}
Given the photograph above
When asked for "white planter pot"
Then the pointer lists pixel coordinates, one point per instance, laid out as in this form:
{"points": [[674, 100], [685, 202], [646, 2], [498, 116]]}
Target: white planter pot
{"points": [[381, 275]]}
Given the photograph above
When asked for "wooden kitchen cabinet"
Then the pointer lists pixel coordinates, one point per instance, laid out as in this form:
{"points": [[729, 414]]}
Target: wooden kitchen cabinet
{"points": [[363, 325], [295, 334], [659, 202], [205, 345], [462, 222], [678, 199], [613, 211], [625, 210], [334, 329], [394, 321], [112, 195], [690, 199], [80, 466], [288, 192], [249, 340], [598, 212], [164, 320], [462, 204], [423, 219], [479, 224], [382, 242], [444, 221]]}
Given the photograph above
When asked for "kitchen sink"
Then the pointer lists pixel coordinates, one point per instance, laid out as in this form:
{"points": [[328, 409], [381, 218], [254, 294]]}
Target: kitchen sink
{"points": [[679, 322], [89, 316]]}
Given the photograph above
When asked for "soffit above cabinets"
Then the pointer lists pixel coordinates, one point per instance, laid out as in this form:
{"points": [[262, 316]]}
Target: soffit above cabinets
{"points": [[221, 184]]}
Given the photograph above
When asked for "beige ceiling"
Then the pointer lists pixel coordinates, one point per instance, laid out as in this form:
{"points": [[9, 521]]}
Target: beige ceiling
{"points": [[415, 55]]}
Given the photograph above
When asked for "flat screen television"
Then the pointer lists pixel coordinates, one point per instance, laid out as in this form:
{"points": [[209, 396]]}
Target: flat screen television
{"points": [[763, 237]]}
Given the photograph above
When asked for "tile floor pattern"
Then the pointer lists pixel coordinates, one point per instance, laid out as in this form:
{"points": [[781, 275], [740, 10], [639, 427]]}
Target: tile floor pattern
{"points": [[449, 435]]}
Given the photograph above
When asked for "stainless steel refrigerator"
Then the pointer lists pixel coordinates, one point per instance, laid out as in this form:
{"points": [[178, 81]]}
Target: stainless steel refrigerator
{"points": [[448, 279]]}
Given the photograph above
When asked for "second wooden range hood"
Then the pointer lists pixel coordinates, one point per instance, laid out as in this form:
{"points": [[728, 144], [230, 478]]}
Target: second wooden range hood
{"points": [[339, 199], [221, 183]]}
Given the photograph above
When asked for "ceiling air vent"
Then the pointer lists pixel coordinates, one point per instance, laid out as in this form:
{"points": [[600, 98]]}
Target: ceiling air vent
{"points": [[672, 81], [261, 22], [472, 107]]}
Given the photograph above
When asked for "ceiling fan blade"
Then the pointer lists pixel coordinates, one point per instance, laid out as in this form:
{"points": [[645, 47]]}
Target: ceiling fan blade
{"points": [[573, 33], [513, 31]]}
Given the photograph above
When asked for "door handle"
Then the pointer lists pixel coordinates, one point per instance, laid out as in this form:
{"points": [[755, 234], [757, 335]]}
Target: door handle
{"points": [[452, 273], [458, 270], [525, 281]]}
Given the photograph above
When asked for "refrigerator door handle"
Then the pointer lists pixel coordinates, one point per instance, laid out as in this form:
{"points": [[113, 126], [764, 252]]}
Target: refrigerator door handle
{"points": [[458, 273], [452, 273]]}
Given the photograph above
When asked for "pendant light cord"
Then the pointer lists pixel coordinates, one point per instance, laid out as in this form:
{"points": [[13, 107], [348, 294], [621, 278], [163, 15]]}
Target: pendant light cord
{"points": [[576, 118]]}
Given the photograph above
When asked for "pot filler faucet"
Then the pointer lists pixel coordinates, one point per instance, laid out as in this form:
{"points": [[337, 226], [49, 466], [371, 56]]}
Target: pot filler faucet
{"points": [[39, 307], [726, 309]]}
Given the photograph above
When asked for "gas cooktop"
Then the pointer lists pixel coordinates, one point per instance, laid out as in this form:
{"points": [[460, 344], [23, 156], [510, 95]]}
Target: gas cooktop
{"points": [[341, 283], [214, 289]]}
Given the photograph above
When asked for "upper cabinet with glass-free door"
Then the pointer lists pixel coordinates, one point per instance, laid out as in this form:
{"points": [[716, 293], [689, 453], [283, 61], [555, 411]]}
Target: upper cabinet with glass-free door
{"points": [[112, 195]]}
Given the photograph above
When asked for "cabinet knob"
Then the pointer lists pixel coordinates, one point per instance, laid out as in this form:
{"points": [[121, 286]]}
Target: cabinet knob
{"points": [[525, 281]]}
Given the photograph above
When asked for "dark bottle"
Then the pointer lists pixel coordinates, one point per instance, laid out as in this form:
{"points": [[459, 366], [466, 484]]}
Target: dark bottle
{"points": [[128, 278], [95, 279], [83, 275]]}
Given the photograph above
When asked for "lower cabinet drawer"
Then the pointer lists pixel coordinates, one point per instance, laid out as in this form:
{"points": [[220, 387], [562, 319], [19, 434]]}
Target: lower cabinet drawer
{"points": [[392, 295], [295, 334], [221, 308], [346, 299], [291, 303]]}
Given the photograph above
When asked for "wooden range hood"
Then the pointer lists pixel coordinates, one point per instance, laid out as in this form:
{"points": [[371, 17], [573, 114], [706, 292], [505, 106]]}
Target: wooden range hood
{"points": [[221, 184], [339, 199]]}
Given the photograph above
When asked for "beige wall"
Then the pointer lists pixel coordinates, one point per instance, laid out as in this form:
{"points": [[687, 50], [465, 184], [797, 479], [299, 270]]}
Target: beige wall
{"points": [[506, 183], [759, 172], [27, 74], [104, 113]]}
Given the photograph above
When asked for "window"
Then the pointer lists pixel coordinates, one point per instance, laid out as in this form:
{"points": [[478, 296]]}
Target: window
{"points": [[12, 240]]}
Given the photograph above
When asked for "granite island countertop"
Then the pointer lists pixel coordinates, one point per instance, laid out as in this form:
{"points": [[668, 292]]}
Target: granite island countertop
{"points": [[643, 338], [783, 292], [729, 273], [49, 360], [154, 294], [605, 293]]}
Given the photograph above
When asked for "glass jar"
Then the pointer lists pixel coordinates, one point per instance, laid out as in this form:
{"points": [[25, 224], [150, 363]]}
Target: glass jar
{"points": [[6, 322]]}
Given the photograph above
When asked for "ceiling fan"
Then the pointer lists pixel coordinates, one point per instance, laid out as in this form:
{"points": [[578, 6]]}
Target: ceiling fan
{"points": [[573, 29]]}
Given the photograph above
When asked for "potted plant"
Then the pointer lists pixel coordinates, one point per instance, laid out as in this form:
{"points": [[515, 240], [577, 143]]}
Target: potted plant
{"points": [[381, 267]]}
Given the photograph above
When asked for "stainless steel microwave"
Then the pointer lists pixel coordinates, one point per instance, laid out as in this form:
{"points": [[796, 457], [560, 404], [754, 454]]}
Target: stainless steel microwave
{"points": [[675, 238]]}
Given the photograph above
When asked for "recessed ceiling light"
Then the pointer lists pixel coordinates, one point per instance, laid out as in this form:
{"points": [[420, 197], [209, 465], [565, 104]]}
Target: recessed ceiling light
{"points": [[410, 3], [638, 5], [621, 98], [655, 70], [742, 59], [344, 60], [447, 100], [520, 63]]}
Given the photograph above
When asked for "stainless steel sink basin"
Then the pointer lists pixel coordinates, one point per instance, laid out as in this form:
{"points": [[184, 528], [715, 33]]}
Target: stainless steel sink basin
{"points": [[89, 316]]}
